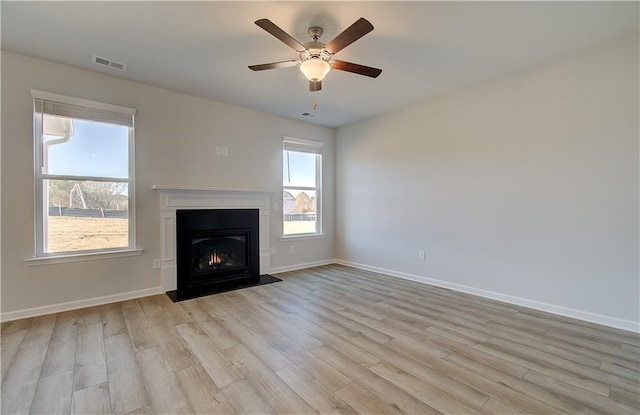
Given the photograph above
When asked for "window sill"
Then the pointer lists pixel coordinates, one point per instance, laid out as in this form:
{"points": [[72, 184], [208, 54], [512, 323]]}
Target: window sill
{"points": [[303, 236], [81, 257]]}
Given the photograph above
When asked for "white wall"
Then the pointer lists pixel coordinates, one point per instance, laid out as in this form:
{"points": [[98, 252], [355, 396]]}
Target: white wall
{"points": [[176, 136], [526, 186]]}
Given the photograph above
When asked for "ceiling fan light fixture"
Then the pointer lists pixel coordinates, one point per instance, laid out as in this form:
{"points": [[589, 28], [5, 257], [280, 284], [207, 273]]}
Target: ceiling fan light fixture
{"points": [[315, 69]]}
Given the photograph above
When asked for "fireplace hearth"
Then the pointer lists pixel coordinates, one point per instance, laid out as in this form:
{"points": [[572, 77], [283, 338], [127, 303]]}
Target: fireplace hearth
{"points": [[217, 250]]}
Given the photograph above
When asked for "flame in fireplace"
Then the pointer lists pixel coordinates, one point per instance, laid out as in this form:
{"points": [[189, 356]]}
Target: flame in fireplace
{"points": [[214, 258]]}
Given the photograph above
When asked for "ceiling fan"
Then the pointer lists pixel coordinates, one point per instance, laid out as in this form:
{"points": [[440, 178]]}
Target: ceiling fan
{"points": [[316, 58]]}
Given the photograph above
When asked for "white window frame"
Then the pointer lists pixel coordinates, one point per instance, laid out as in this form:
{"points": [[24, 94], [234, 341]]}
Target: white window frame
{"points": [[106, 113], [306, 146]]}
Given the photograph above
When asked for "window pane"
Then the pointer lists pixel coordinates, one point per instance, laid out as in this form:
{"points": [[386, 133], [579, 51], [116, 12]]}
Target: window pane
{"points": [[299, 169], [299, 211], [84, 215], [89, 149]]}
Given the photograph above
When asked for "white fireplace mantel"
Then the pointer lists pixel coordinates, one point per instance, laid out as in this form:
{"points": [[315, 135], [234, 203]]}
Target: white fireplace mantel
{"points": [[173, 198]]}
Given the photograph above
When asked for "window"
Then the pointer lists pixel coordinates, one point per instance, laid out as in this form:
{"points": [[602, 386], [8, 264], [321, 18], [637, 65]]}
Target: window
{"points": [[301, 183], [83, 176]]}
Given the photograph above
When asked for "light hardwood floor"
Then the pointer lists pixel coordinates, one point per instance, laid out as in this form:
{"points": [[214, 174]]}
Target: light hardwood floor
{"points": [[329, 339]]}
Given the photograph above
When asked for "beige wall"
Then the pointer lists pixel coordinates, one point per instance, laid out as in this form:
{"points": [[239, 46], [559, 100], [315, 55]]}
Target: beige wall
{"points": [[176, 136], [523, 188]]}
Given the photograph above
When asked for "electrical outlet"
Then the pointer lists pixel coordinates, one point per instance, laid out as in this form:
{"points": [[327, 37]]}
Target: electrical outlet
{"points": [[219, 151], [156, 264], [225, 151], [291, 249], [421, 256]]}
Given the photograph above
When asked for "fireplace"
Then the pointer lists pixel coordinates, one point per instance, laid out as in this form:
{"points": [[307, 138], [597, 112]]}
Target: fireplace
{"points": [[215, 248], [219, 252]]}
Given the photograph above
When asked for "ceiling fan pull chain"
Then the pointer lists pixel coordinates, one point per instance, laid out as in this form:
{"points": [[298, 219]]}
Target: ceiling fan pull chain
{"points": [[315, 103]]}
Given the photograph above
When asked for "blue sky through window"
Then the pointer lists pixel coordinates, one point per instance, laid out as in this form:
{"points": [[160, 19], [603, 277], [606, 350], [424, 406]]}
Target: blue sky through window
{"points": [[95, 149], [300, 169]]}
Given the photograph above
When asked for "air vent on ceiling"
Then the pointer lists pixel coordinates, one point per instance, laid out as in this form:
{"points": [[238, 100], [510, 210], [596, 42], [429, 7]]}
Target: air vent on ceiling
{"points": [[108, 63], [306, 114]]}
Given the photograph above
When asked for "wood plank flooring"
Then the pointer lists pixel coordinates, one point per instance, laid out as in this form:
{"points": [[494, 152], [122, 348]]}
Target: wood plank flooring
{"points": [[325, 340]]}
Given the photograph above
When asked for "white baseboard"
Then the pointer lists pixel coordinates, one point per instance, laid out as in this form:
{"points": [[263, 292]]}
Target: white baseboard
{"points": [[74, 305], [304, 265], [90, 302], [614, 322]]}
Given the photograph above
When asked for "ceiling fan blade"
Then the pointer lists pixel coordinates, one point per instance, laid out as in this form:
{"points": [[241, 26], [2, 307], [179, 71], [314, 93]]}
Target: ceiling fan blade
{"points": [[355, 68], [315, 86], [280, 34], [273, 65], [349, 35]]}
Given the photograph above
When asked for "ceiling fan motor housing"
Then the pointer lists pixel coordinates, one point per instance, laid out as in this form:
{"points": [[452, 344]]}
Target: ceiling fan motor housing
{"points": [[315, 52], [315, 48]]}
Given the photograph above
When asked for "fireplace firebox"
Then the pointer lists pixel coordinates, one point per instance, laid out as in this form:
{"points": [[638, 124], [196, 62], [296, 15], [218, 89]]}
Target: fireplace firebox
{"points": [[215, 247]]}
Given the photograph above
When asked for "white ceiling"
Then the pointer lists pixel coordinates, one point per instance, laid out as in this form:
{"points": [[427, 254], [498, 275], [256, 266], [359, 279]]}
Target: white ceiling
{"points": [[203, 48]]}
